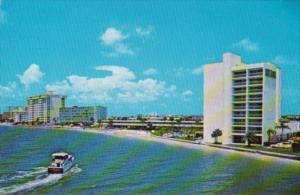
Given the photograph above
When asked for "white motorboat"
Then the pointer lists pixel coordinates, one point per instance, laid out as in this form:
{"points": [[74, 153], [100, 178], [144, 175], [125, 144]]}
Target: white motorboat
{"points": [[61, 163]]}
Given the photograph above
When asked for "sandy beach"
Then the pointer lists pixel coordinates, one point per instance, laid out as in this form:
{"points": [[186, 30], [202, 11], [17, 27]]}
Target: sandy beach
{"points": [[144, 135]]}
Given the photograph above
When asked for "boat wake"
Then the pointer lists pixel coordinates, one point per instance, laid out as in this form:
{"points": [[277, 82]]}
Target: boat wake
{"points": [[41, 178]]}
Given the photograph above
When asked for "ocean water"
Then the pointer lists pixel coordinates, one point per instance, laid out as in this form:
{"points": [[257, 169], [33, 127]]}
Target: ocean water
{"points": [[112, 165]]}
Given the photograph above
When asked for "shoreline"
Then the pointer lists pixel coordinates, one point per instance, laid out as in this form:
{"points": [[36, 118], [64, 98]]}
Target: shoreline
{"points": [[211, 148]]}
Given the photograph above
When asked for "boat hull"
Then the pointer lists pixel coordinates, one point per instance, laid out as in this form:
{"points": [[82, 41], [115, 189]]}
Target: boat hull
{"points": [[61, 170], [55, 170]]}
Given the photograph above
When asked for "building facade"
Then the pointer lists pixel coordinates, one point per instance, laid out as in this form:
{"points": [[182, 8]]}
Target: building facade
{"points": [[45, 108], [240, 98], [20, 115], [87, 114]]}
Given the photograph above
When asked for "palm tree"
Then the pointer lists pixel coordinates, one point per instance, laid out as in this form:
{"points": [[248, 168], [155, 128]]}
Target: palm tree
{"points": [[281, 124], [215, 134], [178, 121], [271, 132], [110, 122], [250, 138]]}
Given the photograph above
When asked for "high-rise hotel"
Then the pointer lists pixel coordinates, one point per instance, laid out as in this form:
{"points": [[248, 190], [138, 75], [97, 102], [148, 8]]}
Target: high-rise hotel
{"points": [[240, 98], [45, 108]]}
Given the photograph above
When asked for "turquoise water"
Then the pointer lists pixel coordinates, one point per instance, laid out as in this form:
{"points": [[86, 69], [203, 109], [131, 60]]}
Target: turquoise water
{"points": [[112, 165]]}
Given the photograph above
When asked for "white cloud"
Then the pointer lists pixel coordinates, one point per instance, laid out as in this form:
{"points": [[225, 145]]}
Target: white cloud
{"points": [[120, 86], [150, 71], [114, 40], [144, 31], [9, 90], [197, 71], [282, 60], [187, 93], [33, 74], [144, 91], [123, 49], [111, 36], [247, 45], [181, 72]]}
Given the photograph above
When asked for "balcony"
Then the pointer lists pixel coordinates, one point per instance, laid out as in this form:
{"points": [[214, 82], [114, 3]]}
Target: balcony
{"points": [[239, 90], [239, 106], [239, 114], [256, 130], [239, 74], [255, 98], [239, 122], [239, 82], [239, 131], [256, 81], [255, 122], [255, 114], [255, 72], [257, 89]]}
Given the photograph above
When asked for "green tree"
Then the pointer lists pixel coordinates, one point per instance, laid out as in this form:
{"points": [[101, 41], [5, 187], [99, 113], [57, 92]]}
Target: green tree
{"points": [[215, 134], [178, 121], [281, 124], [270, 133], [250, 138]]}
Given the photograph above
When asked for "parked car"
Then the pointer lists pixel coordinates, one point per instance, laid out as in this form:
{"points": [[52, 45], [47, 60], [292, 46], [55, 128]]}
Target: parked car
{"points": [[282, 145]]}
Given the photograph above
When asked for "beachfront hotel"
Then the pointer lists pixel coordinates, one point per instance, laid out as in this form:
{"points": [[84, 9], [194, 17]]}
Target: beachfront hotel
{"points": [[83, 114], [240, 98], [45, 108]]}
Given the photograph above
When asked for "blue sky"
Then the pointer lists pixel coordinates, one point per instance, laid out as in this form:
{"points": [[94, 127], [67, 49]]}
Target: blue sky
{"points": [[140, 57]]}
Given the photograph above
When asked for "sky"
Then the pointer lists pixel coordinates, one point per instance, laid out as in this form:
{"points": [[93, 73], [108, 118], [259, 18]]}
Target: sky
{"points": [[140, 57]]}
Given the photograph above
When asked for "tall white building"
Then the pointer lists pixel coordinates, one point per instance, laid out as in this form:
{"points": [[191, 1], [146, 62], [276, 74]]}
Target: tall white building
{"points": [[240, 98], [45, 108]]}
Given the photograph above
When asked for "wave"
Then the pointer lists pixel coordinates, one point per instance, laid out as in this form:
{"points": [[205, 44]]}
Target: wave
{"points": [[41, 179], [23, 174]]}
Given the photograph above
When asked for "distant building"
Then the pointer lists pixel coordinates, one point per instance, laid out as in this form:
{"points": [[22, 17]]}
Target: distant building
{"points": [[87, 114], [20, 115], [45, 108], [240, 98], [6, 116]]}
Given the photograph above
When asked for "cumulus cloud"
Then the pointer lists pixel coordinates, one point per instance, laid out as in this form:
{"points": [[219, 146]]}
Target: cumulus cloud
{"points": [[116, 42], [113, 39], [121, 86], [146, 31], [197, 71], [247, 45], [150, 71], [33, 74], [8, 90], [111, 36]]}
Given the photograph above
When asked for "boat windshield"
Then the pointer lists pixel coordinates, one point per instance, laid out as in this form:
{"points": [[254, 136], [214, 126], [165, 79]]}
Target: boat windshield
{"points": [[60, 157]]}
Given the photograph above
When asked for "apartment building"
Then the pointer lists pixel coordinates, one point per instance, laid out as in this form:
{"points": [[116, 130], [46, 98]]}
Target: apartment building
{"points": [[20, 114], [240, 98], [45, 108], [86, 114]]}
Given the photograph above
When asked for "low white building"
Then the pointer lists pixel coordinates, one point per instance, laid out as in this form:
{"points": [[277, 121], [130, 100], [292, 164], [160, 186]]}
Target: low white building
{"points": [[85, 114]]}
